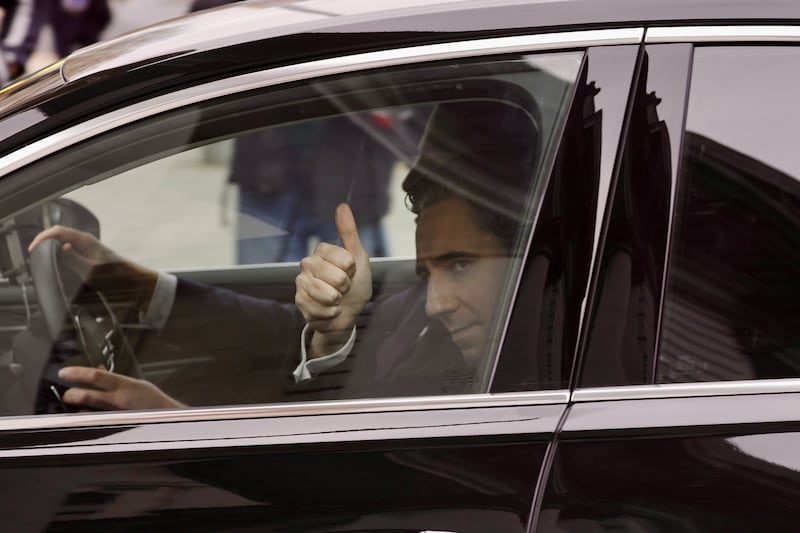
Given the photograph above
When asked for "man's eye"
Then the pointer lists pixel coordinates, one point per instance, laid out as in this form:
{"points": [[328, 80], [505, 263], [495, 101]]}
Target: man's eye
{"points": [[460, 266]]}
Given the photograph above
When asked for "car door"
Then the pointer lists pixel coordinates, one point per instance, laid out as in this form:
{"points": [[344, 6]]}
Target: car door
{"points": [[684, 415], [151, 181]]}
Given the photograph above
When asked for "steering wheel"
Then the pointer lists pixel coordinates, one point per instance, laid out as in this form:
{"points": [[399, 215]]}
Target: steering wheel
{"points": [[79, 321]]}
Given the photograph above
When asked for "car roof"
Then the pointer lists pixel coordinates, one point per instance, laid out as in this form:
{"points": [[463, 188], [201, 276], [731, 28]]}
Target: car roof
{"points": [[243, 22], [255, 35]]}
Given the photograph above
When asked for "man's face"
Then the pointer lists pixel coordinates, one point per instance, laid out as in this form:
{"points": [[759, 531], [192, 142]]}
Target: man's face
{"points": [[466, 268]]}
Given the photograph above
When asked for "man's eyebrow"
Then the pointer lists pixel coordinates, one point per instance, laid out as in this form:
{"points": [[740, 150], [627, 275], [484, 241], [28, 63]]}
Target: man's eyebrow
{"points": [[421, 270], [449, 256]]}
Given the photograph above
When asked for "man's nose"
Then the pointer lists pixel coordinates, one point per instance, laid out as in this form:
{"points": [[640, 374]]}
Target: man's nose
{"points": [[441, 298]]}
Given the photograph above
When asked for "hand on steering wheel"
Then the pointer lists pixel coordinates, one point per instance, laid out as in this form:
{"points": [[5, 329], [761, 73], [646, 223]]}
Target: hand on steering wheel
{"points": [[77, 279], [112, 391], [99, 266]]}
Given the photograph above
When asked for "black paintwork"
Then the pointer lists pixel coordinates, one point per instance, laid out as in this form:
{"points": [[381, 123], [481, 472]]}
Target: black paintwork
{"points": [[670, 480], [688, 483], [448, 486]]}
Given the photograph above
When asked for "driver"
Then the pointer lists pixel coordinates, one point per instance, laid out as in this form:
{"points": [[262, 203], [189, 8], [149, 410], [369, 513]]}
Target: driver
{"points": [[468, 191]]}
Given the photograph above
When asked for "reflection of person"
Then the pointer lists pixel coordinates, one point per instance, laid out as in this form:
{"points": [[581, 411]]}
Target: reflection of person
{"points": [[19, 31], [291, 178], [77, 23], [278, 170], [271, 168], [467, 189]]}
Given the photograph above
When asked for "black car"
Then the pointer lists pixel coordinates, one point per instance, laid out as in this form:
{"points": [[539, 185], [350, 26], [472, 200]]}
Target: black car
{"points": [[626, 359]]}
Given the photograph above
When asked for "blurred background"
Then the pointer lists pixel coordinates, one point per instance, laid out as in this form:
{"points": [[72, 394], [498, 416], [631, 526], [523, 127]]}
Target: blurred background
{"points": [[192, 209], [126, 15]]}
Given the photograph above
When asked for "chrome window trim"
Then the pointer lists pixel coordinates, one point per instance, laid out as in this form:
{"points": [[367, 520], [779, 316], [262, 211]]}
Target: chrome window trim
{"points": [[683, 414], [325, 67], [704, 34], [687, 390], [280, 410], [32, 87], [533, 423]]}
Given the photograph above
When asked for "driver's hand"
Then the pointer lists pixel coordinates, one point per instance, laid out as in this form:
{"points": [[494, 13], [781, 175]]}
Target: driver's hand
{"points": [[334, 285], [101, 267], [112, 391]]}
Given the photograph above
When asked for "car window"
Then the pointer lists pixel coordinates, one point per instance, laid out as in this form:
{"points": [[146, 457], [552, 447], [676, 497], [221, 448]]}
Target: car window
{"points": [[733, 288], [624, 315], [266, 196], [180, 287]]}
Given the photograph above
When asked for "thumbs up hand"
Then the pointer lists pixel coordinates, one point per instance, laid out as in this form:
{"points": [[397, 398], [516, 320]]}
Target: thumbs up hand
{"points": [[334, 285]]}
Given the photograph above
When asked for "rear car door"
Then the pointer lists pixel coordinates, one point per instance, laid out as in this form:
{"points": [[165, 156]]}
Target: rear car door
{"points": [[684, 415], [152, 182]]}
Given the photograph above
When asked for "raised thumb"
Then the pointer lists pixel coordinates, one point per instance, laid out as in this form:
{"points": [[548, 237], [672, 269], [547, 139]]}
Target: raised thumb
{"points": [[348, 232]]}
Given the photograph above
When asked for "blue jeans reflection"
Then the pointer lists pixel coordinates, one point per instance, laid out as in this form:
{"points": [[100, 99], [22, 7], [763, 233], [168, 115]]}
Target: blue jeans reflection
{"points": [[274, 229]]}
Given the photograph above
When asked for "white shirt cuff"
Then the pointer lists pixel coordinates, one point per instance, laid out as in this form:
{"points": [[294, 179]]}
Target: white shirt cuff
{"points": [[308, 369], [161, 303]]}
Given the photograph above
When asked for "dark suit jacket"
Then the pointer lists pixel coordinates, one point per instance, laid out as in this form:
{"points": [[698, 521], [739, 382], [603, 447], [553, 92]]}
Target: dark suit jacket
{"points": [[399, 351], [255, 344], [225, 348]]}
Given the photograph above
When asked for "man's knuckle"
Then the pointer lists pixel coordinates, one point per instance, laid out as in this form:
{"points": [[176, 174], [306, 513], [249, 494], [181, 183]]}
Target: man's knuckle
{"points": [[327, 299], [77, 396], [331, 312], [92, 376], [341, 280]]}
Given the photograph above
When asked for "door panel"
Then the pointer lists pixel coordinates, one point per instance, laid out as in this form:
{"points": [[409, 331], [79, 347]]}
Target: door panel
{"points": [[447, 470], [717, 464]]}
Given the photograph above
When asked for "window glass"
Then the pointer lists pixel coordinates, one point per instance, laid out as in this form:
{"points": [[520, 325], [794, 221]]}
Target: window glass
{"points": [[265, 196], [733, 291], [621, 333], [175, 279]]}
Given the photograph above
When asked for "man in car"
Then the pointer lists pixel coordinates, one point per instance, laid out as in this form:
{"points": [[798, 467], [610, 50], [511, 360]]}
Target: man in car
{"points": [[468, 189]]}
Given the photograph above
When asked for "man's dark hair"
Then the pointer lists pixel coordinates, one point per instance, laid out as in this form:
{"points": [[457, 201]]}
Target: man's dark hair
{"points": [[484, 151], [422, 192]]}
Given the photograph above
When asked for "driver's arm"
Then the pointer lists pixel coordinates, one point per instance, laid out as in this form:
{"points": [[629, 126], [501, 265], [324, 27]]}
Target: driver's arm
{"points": [[105, 270]]}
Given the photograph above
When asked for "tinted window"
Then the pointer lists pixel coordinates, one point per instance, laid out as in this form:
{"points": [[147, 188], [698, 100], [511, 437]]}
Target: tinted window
{"points": [[621, 334], [441, 167], [733, 292]]}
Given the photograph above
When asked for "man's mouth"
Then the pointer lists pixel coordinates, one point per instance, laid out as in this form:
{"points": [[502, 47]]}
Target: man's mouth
{"points": [[461, 333]]}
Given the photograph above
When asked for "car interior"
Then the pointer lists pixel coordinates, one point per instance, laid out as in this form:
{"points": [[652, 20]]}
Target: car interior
{"points": [[49, 318]]}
